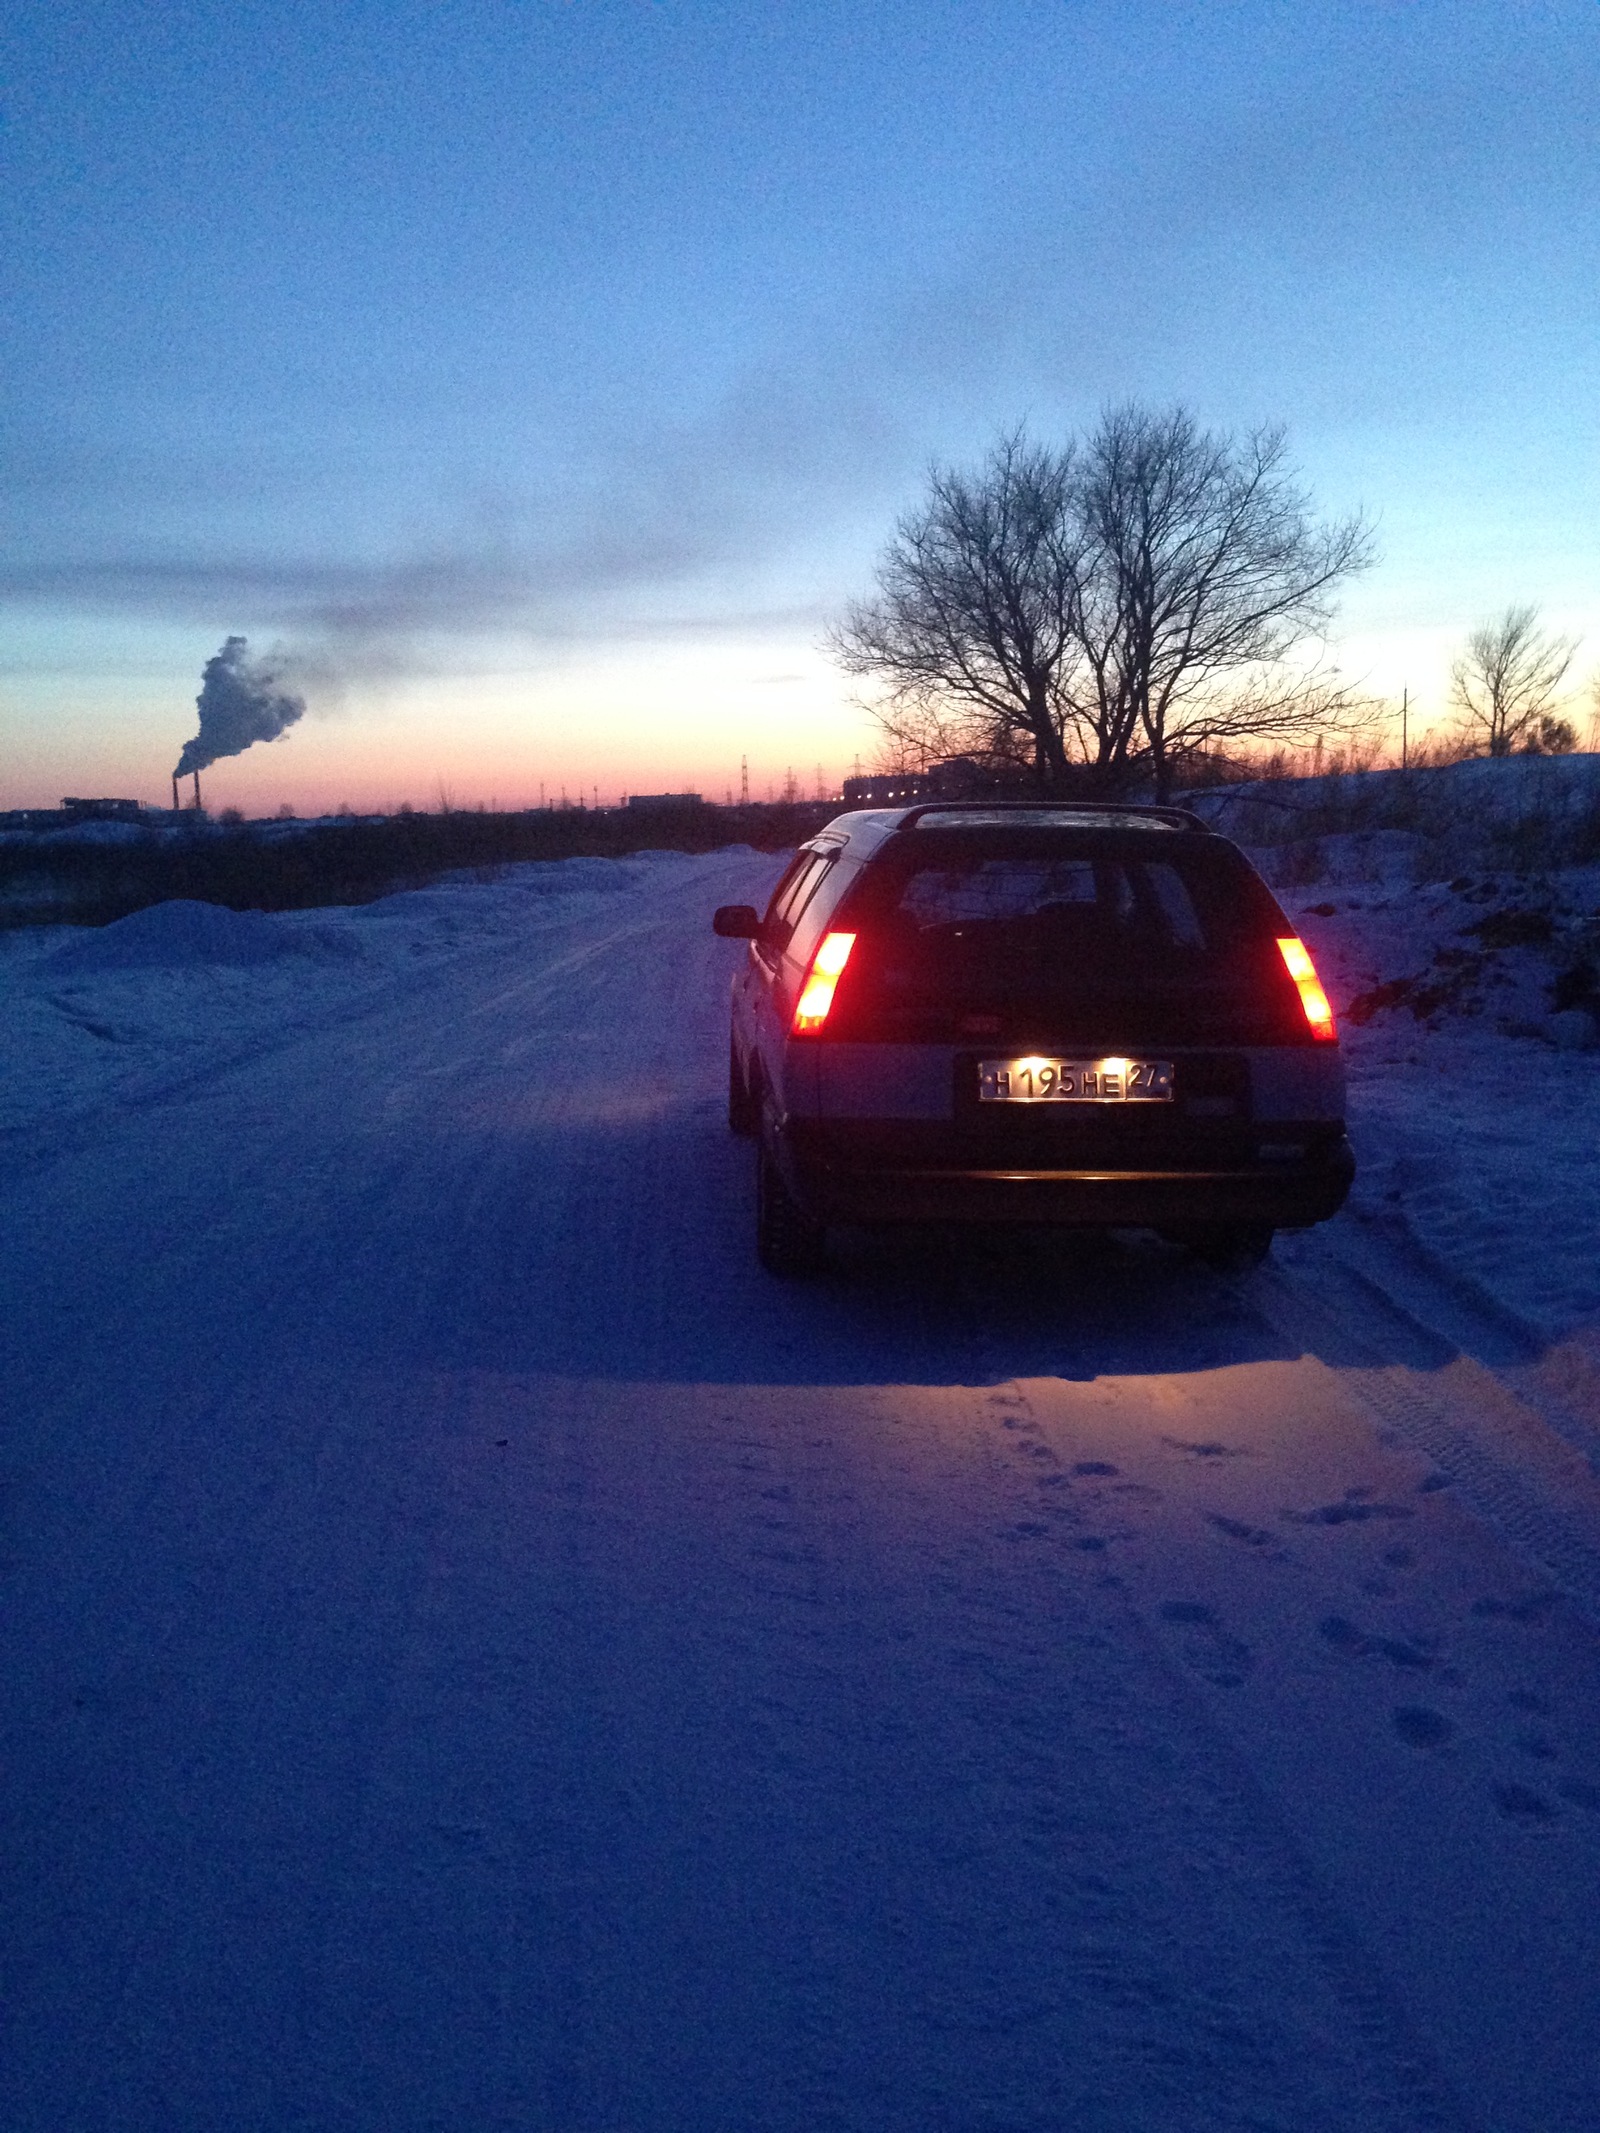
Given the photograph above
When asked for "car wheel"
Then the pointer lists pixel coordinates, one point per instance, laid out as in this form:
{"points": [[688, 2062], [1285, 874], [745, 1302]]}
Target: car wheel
{"points": [[788, 1240], [1233, 1246], [744, 1114]]}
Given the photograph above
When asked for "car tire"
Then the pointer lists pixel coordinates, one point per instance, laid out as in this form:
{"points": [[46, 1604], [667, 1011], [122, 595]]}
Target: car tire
{"points": [[789, 1242], [1233, 1247], [744, 1114]]}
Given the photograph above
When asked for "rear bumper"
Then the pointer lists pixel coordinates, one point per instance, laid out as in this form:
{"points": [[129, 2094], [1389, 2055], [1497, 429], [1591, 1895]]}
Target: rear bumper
{"points": [[1282, 1194]]}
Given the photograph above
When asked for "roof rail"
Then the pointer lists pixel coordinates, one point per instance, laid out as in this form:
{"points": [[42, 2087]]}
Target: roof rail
{"points": [[1175, 817]]}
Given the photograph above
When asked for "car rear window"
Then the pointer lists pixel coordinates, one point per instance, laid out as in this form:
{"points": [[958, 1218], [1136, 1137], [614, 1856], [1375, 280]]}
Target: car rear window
{"points": [[1081, 930], [1195, 904], [1111, 901]]}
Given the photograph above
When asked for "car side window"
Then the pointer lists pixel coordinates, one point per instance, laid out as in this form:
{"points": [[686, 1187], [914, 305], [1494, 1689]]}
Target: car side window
{"points": [[823, 899], [791, 897], [786, 882]]}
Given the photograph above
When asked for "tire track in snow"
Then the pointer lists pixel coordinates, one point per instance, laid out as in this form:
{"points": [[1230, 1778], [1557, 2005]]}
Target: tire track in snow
{"points": [[1396, 2068], [1556, 1374], [1501, 1454]]}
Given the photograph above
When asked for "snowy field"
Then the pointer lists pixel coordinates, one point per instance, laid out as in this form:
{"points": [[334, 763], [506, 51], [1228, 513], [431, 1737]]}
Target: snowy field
{"points": [[480, 1655]]}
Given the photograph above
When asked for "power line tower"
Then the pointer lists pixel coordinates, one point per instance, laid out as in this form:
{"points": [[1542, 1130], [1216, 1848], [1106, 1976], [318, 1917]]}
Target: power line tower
{"points": [[744, 781]]}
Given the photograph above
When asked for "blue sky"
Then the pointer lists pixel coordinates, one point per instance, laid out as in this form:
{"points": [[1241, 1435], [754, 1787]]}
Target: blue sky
{"points": [[541, 378]]}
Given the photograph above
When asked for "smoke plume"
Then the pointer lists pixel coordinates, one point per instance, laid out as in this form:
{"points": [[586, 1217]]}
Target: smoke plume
{"points": [[239, 702]]}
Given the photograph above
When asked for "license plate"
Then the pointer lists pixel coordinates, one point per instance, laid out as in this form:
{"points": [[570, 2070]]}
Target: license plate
{"points": [[1075, 1081]]}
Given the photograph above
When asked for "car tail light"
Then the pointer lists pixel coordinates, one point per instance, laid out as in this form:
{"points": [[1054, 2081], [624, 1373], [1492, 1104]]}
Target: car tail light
{"points": [[816, 995], [1297, 961]]}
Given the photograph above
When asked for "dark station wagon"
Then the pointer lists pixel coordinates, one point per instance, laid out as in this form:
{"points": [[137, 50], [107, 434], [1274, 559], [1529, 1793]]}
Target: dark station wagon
{"points": [[1091, 1016]]}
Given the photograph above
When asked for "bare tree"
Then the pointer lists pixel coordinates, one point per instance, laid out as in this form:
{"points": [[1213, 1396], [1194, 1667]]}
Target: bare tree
{"points": [[972, 629], [1205, 575], [1505, 685], [1116, 605]]}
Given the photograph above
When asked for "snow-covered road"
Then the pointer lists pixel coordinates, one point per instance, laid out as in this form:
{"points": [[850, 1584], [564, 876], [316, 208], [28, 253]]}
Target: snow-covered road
{"points": [[481, 1655]]}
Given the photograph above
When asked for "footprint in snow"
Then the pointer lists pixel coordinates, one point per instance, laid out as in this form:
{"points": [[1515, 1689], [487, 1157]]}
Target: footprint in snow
{"points": [[1258, 1537], [1518, 1804], [1419, 1727], [1093, 1466], [1526, 1609], [1353, 1509], [1219, 1658], [1539, 1745], [1344, 1636]]}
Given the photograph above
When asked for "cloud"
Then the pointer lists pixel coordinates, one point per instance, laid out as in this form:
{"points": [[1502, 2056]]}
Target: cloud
{"points": [[672, 528]]}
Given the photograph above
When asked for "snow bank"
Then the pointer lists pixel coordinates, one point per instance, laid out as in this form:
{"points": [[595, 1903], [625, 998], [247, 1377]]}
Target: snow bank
{"points": [[110, 1015], [1470, 1015], [174, 935], [1388, 855], [1523, 813]]}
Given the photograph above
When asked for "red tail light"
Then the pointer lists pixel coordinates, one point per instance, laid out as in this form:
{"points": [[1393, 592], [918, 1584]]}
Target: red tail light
{"points": [[816, 995], [1297, 961]]}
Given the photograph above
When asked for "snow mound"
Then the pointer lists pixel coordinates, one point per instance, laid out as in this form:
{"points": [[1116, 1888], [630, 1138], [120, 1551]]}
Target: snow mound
{"points": [[1467, 1016], [1524, 814], [178, 934], [1351, 856], [97, 832]]}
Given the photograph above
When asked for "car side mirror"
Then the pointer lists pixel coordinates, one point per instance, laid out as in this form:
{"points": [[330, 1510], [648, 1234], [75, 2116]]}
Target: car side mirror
{"points": [[736, 922]]}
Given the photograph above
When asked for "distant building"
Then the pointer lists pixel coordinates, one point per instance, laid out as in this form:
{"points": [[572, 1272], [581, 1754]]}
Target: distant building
{"points": [[956, 778], [73, 812], [657, 802], [103, 810], [892, 788]]}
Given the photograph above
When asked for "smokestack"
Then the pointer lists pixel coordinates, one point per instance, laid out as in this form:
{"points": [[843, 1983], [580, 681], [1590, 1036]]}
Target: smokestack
{"points": [[175, 803], [197, 792]]}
